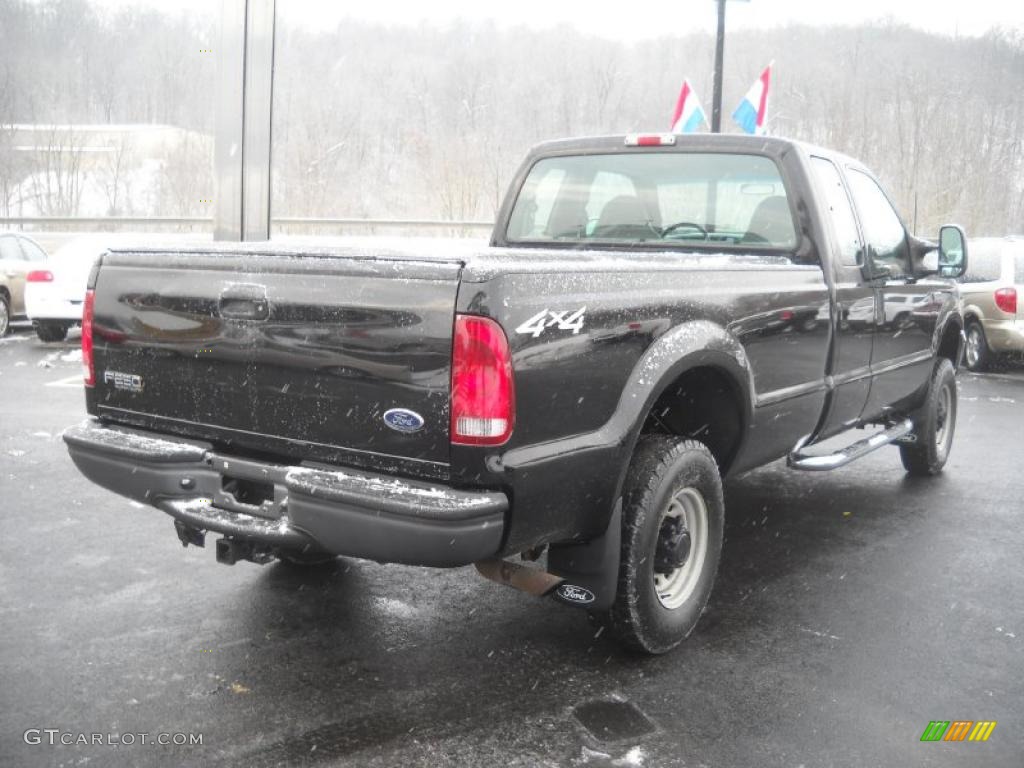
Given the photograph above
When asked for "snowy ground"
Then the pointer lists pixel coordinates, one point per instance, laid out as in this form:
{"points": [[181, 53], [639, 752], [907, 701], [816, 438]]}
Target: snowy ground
{"points": [[852, 609]]}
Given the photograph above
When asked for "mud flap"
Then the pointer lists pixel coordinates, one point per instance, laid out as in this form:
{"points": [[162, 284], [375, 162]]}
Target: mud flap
{"points": [[590, 571]]}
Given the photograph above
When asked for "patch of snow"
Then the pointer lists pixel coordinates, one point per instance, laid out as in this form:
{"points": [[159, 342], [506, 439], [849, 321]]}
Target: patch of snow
{"points": [[74, 356], [587, 754], [16, 452], [820, 634], [393, 607], [635, 756]]}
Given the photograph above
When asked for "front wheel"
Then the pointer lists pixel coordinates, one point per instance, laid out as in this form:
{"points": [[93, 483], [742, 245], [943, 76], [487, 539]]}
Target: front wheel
{"points": [[5, 315], [934, 424], [672, 521]]}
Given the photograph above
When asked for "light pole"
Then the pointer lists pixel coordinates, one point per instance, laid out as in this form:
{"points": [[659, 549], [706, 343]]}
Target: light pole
{"points": [[716, 104]]}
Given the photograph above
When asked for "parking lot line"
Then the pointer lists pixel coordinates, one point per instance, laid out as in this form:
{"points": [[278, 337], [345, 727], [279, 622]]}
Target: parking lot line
{"points": [[70, 381]]}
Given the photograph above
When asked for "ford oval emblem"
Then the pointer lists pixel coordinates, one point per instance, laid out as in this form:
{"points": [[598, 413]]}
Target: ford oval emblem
{"points": [[403, 420], [573, 594]]}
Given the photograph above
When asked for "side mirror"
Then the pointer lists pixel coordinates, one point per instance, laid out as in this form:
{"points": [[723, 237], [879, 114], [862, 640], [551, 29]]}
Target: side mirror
{"points": [[952, 259], [882, 272]]}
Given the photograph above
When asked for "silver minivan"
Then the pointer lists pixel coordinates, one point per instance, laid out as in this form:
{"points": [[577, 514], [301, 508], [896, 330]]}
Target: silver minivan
{"points": [[989, 294]]}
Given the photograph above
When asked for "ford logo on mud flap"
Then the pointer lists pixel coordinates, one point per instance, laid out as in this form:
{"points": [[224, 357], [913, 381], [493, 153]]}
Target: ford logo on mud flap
{"points": [[403, 420], [573, 594]]}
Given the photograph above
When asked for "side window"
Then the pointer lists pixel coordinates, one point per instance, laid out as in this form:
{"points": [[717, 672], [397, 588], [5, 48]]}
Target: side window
{"points": [[840, 211], [985, 264], [883, 231], [9, 250], [32, 251]]}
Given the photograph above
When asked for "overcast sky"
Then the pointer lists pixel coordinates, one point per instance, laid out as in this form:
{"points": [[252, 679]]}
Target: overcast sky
{"points": [[647, 18]]}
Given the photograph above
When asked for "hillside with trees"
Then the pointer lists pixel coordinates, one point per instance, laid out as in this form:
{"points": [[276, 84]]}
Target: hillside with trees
{"points": [[395, 121]]}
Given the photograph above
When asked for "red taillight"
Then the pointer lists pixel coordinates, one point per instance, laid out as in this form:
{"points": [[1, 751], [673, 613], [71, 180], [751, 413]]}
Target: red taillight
{"points": [[88, 368], [483, 398], [1006, 300], [39, 276]]}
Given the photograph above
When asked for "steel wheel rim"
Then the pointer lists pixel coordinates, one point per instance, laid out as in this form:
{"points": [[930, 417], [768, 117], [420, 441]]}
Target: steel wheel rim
{"points": [[973, 346], [675, 588], [943, 420]]}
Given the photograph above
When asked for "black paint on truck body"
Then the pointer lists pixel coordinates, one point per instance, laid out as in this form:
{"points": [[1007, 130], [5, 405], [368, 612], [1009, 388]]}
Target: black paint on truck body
{"points": [[349, 332]]}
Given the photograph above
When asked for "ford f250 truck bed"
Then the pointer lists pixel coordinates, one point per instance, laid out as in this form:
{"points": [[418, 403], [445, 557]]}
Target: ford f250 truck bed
{"points": [[653, 312]]}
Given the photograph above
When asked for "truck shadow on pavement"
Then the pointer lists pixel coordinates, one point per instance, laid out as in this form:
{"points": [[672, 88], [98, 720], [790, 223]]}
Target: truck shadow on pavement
{"points": [[367, 655]]}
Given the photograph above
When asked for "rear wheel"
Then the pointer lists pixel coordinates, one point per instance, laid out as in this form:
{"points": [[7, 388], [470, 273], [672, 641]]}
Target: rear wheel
{"points": [[672, 521], [50, 331], [934, 424], [5, 315], [977, 354]]}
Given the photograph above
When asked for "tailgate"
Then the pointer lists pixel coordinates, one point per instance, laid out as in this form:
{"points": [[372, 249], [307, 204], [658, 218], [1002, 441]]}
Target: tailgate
{"points": [[312, 349]]}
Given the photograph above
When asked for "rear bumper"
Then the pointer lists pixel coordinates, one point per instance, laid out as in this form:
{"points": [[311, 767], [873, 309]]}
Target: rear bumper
{"points": [[1005, 335], [44, 304], [340, 511]]}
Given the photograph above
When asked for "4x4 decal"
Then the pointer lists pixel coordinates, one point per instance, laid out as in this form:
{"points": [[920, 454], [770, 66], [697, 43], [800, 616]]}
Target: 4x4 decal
{"points": [[563, 320]]}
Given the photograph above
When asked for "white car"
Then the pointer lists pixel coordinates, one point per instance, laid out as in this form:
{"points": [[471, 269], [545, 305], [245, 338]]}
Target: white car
{"points": [[55, 289]]}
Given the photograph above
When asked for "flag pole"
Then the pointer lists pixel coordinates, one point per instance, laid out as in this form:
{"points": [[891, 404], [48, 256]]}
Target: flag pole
{"points": [[716, 106]]}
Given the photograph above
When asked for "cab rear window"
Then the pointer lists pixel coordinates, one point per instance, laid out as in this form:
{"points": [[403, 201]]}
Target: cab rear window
{"points": [[657, 198]]}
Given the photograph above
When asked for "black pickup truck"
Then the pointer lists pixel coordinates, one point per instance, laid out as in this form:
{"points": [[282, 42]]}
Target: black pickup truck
{"points": [[653, 312]]}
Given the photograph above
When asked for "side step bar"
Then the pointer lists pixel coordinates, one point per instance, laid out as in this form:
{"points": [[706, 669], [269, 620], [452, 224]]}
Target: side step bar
{"points": [[798, 459]]}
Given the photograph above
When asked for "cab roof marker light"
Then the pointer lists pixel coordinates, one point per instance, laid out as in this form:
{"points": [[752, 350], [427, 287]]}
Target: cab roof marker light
{"points": [[651, 140]]}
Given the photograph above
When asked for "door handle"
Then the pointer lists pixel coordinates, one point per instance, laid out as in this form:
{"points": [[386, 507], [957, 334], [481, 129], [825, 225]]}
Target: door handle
{"points": [[245, 302]]}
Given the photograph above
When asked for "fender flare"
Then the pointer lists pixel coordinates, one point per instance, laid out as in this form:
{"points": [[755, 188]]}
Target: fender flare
{"points": [[953, 317], [695, 344]]}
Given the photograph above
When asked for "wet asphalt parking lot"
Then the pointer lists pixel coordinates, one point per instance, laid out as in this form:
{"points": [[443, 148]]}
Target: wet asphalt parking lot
{"points": [[852, 608]]}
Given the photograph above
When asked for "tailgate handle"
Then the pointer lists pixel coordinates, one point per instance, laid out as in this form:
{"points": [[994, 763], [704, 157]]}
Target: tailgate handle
{"points": [[245, 302]]}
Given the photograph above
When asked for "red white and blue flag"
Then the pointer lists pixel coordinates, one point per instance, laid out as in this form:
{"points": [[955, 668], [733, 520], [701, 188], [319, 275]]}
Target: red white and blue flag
{"points": [[750, 114], [689, 114]]}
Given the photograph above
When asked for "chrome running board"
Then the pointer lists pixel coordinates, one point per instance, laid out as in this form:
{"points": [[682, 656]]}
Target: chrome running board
{"points": [[799, 459]]}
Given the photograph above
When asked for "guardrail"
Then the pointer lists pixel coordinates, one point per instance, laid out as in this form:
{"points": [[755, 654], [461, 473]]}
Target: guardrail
{"points": [[283, 224]]}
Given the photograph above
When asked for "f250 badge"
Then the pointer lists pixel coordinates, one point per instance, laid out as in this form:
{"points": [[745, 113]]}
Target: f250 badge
{"points": [[129, 382], [563, 320]]}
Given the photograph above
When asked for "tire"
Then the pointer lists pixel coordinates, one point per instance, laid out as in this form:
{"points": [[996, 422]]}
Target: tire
{"points": [[934, 424], [669, 478], [901, 321], [977, 355], [51, 331], [5, 315]]}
